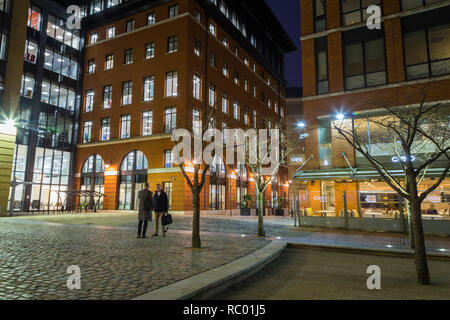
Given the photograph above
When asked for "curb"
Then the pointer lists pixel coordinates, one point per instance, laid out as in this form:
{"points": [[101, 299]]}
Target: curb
{"points": [[209, 283], [401, 253]]}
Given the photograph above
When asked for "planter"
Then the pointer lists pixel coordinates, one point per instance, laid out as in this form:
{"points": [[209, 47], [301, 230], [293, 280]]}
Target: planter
{"points": [[245, 211]]}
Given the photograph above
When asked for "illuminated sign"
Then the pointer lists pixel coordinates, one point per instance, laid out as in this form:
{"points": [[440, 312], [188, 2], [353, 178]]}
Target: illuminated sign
{"points": [[371, 199], [433, 198], [296, 159], [402, 159], [320, 198]]}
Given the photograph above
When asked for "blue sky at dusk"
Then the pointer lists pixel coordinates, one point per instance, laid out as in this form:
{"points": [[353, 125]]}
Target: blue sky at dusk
{"points": [[288, 12]]}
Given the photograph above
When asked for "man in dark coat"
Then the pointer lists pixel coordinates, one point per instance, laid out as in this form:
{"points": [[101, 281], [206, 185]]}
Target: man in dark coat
{"points": [[145, 209], [161, 207]]}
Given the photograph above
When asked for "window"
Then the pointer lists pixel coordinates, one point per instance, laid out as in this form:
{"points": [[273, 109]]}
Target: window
{"points": [[151, 19], [196, 123], [225, 103], [364, 62], [212, 60], [246, 85], [236, 109], [321, 65], [269, 103], [130, 25], [112, 3], [212, 95], [411, 4], [212, 28], [172, 44], [197, 47], [173, 11], [87, 131], [170, 119], [128, 56], [109, 64], [198, 15], [5, 6], [127, 92], [246, 115], [94, 37], [319, 15], [61, 64], [31, 50], [91, 66], [149, 88], [354, 11], [225, 70], [254, 67], [58, 95], [254, 91], [89, 103], [34, 16], [125, 126], [106, 129], [56, 29], [150, 50], [172, 84], [255, 119], [246, 61], [168, 159], [236, 51], [236, 78], [96, 6], [111, 32], [107, 97], [325, 142], [225, 41], [147, 123], [275, 107], [197, 86], [426, 52]]}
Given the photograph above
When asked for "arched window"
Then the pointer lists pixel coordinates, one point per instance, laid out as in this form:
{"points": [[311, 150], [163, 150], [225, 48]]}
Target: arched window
{"points": [[241, 182], [217, 184], [133, 176], [93, 179]]}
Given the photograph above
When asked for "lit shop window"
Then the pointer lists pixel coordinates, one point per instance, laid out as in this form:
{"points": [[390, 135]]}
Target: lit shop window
{"points": [[34, 17], [27, 89], [31, 51]]}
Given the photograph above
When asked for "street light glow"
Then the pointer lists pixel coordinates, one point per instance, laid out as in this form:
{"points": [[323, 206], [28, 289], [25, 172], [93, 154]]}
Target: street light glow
{"points": [[301, 124], [8, 127], [340, 116]]}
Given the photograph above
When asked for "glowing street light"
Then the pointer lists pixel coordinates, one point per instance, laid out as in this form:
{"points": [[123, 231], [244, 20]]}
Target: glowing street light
{"points": [[8, 127], [340, 116], [301, 124]]}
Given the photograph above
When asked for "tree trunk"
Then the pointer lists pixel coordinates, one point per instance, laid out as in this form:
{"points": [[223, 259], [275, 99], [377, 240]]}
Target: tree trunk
{"points": [[420, 254], [409, 225], [260, 205], [196, 242]]}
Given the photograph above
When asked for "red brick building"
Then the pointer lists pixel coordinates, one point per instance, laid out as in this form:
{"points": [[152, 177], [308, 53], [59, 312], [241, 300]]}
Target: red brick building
{"points": [[151, 67], [349, 69]]}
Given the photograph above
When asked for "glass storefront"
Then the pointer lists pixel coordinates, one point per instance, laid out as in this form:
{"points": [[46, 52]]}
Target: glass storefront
{"points": [[133, 176]]}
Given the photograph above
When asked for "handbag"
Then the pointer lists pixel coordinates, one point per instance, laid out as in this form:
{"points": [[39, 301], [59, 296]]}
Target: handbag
{"points": [[166, 219]]}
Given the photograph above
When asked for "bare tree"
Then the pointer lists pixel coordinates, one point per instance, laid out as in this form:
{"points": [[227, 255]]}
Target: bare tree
{"points": [[197, 182], [259, 167], [418, 136]]}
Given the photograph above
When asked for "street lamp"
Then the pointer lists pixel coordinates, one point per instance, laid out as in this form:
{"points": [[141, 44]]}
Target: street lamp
{"points": [[8, 127]]}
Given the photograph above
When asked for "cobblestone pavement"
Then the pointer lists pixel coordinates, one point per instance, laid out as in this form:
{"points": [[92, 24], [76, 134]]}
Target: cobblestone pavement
{"points": [[34, 257]]}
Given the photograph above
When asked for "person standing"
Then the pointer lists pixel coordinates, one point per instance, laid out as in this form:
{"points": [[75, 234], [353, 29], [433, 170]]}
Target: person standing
{"points": [[145, 209], [161, 207]]}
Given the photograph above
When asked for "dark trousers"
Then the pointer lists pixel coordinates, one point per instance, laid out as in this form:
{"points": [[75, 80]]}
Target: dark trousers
{"points": [[140, 227]]}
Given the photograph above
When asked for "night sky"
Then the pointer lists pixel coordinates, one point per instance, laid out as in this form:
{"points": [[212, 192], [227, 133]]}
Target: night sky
{"points": [[288, 12]]}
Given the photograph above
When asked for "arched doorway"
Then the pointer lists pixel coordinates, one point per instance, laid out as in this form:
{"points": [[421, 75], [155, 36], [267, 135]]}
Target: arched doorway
{"points": [[133, 176], [241, 182], [217, 184], [93, 179]]}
